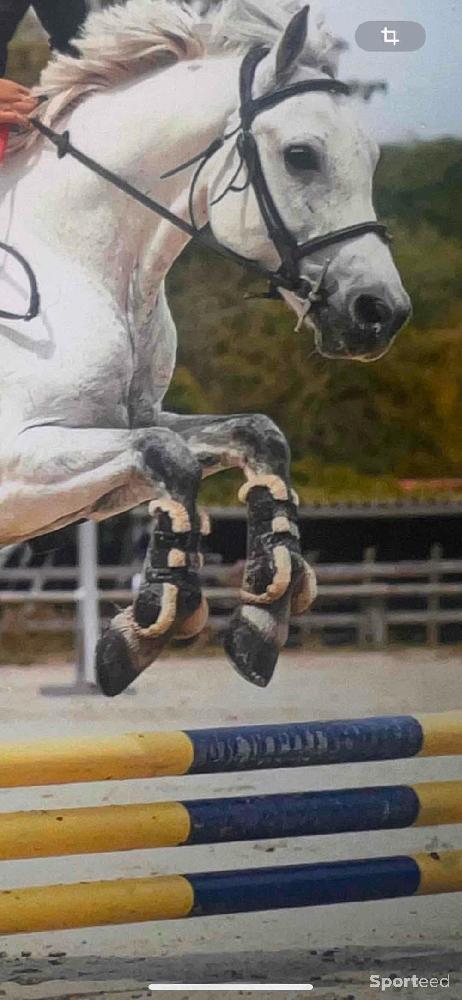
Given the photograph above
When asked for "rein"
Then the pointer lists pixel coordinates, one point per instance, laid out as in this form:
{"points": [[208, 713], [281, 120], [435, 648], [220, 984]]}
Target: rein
{"points": [[65, 148], [34, 296], [290, 251]]}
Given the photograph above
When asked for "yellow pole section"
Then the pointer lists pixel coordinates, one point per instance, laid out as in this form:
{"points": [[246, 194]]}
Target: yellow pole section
{"points": [[442, 734], [440, 803], [61, 762], [95, 830], [94, 904], [439, 872]]}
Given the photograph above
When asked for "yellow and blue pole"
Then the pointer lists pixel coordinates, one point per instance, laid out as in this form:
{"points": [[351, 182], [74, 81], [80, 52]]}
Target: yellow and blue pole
{"points": [[172, 897], [56, 833], [243, 748]]}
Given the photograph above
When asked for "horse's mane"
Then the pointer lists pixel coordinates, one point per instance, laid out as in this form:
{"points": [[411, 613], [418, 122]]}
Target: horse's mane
{"points": [[126, 40]]}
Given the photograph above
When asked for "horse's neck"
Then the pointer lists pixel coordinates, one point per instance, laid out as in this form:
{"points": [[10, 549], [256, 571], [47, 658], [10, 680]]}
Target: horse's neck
{"points": [[140, 131], [159, 121]]}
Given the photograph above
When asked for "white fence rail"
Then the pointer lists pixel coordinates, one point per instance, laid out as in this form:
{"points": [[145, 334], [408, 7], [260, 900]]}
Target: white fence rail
{"points": [[370, 580], [370, 599]]}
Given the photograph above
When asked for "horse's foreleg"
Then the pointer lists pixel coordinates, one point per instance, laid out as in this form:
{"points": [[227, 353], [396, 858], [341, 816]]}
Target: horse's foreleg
{"points": [[277, 579], [52, 476], [169, 602]]}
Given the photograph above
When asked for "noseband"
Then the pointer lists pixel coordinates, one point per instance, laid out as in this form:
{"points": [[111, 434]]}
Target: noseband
{"points": [[290, 251]]}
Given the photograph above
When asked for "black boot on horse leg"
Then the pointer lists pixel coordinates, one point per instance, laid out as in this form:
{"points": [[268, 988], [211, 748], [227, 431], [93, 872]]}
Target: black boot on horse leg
{"points": [[170, 595], [277, 581], [169, 603]]}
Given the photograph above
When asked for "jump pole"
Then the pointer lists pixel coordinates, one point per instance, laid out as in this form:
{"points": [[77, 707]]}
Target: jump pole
{"points": [[107, 829], [228, 750], [172, 897]]}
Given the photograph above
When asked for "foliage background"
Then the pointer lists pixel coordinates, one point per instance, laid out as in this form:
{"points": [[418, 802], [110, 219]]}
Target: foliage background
{"points": [[355, 430]]}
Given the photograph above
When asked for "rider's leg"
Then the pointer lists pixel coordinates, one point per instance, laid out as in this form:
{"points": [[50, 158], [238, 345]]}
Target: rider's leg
{"points": [[61, 21], [277, 580], [11, 13]]}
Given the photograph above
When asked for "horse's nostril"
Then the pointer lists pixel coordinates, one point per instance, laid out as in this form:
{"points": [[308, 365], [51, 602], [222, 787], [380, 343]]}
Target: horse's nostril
{"points": [[371, 311]]}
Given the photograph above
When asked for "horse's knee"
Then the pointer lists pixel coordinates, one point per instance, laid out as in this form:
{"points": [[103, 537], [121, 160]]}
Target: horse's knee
{"points": [[166, 458], [265, 443]]}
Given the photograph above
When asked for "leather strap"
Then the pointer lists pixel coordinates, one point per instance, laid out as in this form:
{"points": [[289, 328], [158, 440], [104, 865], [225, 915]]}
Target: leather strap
{"points": [[34, 301]]}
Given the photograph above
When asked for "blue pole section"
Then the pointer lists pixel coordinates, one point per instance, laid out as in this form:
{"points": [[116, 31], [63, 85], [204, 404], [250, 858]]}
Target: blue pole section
{"points": [[250, 748], [301, 814], [303, 885]]}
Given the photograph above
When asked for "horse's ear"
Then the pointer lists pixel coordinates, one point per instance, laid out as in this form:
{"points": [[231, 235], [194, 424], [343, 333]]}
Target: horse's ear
{"points": [[292, 42]]}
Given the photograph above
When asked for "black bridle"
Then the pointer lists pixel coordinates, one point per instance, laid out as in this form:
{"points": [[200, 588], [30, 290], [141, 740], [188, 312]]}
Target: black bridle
{"points": [[290, 251]]}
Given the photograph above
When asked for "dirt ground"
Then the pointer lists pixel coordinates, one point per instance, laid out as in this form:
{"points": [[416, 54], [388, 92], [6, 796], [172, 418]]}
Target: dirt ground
{"points": [[334, 948]]}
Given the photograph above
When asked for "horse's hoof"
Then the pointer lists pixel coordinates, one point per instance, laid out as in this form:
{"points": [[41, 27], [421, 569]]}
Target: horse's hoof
{"points": [[253, 653], [115, 670], [123, 653]]}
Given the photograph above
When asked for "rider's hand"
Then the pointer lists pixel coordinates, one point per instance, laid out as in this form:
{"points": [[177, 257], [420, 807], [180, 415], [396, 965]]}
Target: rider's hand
{"points": [[16, 103]]}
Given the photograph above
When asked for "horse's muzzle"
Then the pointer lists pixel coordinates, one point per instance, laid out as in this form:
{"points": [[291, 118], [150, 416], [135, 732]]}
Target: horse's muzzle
{"points": [[366, 329]]}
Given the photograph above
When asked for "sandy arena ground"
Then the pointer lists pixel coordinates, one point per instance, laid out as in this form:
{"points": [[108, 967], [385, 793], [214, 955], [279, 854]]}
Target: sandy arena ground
{"points": [[335, 948]]}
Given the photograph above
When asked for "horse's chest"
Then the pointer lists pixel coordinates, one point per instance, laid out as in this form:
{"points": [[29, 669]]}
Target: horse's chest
{"points": [[89, 373], [154, 355]]}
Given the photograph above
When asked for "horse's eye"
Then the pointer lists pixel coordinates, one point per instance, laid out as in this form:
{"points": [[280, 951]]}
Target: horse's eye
{"points": [[302, 158]]}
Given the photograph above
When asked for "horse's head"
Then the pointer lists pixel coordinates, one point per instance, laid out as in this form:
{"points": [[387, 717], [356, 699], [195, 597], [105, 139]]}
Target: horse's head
{"points": [[306, 171]]}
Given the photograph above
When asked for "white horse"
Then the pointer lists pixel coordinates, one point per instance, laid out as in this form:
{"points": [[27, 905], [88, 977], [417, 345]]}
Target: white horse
{"points": [[83, 433]]}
